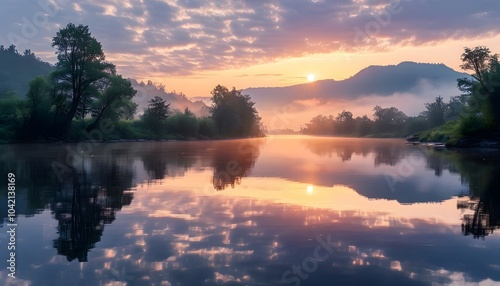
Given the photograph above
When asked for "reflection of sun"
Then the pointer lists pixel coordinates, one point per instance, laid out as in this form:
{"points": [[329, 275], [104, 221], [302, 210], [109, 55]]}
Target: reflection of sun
{"points": [[311, 77], [310, 189]]}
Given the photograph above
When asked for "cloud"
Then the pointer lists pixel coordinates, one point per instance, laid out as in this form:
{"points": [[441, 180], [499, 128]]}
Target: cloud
{"points": [[175, 37]]}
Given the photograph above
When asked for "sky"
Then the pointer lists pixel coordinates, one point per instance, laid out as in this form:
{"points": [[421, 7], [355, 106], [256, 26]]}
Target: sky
{"points": [[193, 45]]}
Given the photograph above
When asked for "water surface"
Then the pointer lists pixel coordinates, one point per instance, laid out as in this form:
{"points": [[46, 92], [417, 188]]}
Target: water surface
{"points": [[290, 210]]}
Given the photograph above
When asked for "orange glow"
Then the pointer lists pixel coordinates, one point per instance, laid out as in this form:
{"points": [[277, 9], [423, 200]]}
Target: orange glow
{"points": [[287, 71]]}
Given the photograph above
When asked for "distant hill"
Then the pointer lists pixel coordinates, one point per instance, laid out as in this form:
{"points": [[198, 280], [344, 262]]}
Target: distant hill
{"points": [[16, 70], [373, 80], [417, 83], [178, 101]]}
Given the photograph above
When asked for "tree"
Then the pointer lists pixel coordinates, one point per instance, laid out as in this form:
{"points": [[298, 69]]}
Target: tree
{"points": [[81, 71], [435, 112], [345, 123], [364, 125], [115, 102], [483, 91], [319, 125], [234, 113], [155, 115], [35, 109], [388, 119]]}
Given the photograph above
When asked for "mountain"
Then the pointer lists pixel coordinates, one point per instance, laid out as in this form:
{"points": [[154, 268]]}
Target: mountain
{"points": [[406, 86], [178, 101], [17, 70]]}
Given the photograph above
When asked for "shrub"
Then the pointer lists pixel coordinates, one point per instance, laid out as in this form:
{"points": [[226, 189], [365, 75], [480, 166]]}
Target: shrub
{"points": [[207, 127], [471, 124]]}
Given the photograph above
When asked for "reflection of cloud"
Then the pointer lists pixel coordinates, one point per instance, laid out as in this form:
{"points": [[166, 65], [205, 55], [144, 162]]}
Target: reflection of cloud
{"points": [[244, 237]]}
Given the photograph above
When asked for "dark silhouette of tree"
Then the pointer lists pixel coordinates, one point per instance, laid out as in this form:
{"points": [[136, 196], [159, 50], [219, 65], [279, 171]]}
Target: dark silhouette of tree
{"points": [[388, 119], [234, 113], [435, 112], [364, 125], [319, 125], [115, 102], [155, 116], [344, 123], [483, 90], [81, 72], [35, 110]]}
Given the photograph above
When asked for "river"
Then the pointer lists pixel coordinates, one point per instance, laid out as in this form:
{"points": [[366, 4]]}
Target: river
{"points": [[289, 210]]}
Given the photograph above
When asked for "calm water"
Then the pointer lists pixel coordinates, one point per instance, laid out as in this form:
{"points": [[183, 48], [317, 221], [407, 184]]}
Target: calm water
{"points": [[281, 210]]}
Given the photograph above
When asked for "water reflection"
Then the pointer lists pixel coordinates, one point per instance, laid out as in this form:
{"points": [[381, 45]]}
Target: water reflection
{"points": [[233, 160], [268, 203], [83, 199]]}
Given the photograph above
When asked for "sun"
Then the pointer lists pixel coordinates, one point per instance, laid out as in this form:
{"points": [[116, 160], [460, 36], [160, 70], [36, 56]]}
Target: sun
{"points": [[310, 189], [311, 77]]}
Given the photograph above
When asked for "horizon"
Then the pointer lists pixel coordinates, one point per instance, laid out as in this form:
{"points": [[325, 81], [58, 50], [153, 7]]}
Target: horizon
{"points": [[192, 47]]}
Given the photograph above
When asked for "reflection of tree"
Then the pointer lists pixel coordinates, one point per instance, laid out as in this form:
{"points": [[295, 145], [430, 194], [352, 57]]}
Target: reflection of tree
{"points": [[483, 203], [388, 155], [83, 201], [233, 160], [384, 152], [84, 206], [344, 148], [168, 159]]}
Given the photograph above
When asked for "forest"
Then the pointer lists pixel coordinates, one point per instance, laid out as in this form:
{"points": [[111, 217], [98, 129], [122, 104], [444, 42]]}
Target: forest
{"points": [[82, 97], [474, 114]]}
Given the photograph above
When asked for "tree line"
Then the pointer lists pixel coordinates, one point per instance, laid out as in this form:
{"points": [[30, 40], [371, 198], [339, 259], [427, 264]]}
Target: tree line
{"points": [[473, 113], [84, 92]]}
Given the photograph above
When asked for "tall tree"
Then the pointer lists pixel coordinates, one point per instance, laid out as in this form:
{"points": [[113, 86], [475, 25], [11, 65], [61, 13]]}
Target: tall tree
{"points": [[114, 103], [80, 70], [155, 115], [483, 90], [435, 112], [35, 109], [234, 113]]}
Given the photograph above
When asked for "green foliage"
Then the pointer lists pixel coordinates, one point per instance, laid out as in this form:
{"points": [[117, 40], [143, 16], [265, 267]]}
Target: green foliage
{"points": [[415, 125], [234, 113], [35, 110], [81, 72], [471, 125], [9, 115], [184, 124], [435, 112], [155, 117], [364, 125], [115, 103], [388, 119], [207, 127], [483, 91]]}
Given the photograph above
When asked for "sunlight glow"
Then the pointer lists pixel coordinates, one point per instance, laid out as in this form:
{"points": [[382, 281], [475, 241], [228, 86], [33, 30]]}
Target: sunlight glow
{"points": [[310, 189], [311, 77]]}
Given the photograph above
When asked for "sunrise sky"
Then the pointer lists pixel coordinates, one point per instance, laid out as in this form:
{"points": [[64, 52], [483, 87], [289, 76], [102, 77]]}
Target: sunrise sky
{"points": [[193, 45]]}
